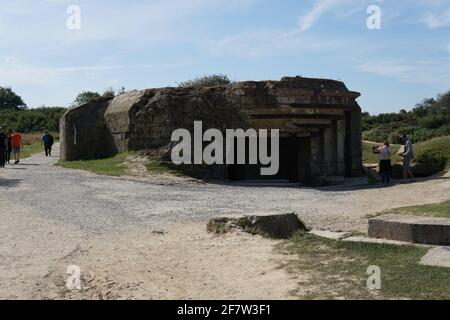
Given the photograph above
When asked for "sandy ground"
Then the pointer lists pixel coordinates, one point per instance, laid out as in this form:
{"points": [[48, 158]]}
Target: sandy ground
{"points": [[146, 239]]}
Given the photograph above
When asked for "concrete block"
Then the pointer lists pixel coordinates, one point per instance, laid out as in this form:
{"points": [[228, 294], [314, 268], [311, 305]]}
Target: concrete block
{"points": [[414, 229], [278, 226]]}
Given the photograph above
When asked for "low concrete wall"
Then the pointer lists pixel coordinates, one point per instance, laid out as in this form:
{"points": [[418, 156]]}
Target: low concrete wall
{"points": [[414, 229]]}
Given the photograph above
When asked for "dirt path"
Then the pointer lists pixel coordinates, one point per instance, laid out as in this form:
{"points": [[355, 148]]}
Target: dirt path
{"points": [[143, 239]]}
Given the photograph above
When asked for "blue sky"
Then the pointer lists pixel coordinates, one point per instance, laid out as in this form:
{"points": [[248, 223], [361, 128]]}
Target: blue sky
{"points": [[141, 44]]}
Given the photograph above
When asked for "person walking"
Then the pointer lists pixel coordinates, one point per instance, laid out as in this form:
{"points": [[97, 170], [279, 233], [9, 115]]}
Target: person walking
{"points": [[8, 146], [47, 141], [408, 157], [2, 148], [385, 153], [17, 146]]}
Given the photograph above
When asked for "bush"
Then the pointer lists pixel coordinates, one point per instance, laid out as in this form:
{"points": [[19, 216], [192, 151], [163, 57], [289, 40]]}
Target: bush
{"points": [[206, 81], [429, 119], [430, 163]]}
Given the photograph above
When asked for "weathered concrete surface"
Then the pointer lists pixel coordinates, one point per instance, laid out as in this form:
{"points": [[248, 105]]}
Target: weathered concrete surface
{"points": [[362, 239], [278, 226], [437, 257], [330, 234], [84, 134], [415, 229]]}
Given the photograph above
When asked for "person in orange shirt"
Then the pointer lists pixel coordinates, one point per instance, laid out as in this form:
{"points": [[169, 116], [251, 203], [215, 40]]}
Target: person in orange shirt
{"points": [[17, 145]]}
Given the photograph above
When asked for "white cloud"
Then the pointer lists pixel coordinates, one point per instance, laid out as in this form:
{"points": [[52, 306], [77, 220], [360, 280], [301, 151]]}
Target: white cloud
{"points": [[319, 8], [434, 21], [265, 43], [423, 72], [15, 72]]}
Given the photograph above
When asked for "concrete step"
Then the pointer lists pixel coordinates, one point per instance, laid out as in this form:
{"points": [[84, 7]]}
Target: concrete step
{"points": [[413, 229]]}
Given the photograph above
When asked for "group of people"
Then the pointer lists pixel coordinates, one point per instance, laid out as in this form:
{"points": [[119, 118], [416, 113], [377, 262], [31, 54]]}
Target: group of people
{"points": [[11, 143], [385, 154]]}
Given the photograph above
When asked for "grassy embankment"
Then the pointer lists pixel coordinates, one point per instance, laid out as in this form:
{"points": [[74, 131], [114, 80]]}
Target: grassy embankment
{"points": [[339, 269], [113, 166], [116, 166]]}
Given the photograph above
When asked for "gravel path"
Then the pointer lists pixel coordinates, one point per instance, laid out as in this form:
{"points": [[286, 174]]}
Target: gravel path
{"points": [[53, 216]]}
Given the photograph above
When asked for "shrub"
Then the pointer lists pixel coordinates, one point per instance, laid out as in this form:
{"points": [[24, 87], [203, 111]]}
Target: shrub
{"points": [[206, 81], [430, 163]]}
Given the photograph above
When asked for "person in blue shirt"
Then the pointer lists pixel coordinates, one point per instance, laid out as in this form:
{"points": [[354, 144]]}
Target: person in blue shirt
{"points": [[47, 141]]}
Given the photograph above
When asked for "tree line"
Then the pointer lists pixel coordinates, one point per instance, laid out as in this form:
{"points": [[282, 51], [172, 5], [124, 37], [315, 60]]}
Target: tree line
{"points": [[428, 119]]}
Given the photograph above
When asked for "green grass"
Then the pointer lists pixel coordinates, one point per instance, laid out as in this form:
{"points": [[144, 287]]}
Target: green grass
{"points": [[30, 149], [110, 166], [439, 210], [338, 269], [115, 166], [156, 167], [440, 146]]}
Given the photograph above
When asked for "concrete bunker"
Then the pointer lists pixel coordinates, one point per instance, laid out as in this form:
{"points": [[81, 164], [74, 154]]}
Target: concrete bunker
{"points": [[319, 122]]}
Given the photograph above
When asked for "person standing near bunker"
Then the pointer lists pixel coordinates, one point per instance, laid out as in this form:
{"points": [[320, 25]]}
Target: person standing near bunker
{"points": [[385, 153], [408, 158], [47, 142]]}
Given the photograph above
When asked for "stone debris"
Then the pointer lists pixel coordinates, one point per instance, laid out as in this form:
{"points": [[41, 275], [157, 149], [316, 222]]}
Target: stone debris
{"points": [[437, 257], [278, 226]]}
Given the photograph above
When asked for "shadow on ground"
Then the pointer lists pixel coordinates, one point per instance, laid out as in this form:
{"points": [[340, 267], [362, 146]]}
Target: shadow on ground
{"points": [[9, 183]]}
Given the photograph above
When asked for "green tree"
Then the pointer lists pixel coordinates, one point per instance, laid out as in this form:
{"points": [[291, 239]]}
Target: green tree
{"points": [[206, 81], [9, 100], [85, 97]]}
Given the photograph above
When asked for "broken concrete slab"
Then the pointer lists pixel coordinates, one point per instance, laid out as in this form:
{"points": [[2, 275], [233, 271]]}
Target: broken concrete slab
{"points": [[382, 241], [437, 257], [278, 226], [413, 229], [330, 234]]}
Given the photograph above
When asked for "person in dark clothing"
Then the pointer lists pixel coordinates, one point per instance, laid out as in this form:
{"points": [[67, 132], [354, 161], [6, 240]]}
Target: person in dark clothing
{"points": [[385, 153], [2, 148], [8, 146], [47, 141]]}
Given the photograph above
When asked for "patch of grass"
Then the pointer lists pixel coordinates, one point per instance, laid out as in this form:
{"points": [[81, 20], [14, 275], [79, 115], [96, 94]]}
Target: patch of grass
{"points": [[113, 166], [338, 269], [439, 210], [157, 167]]}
